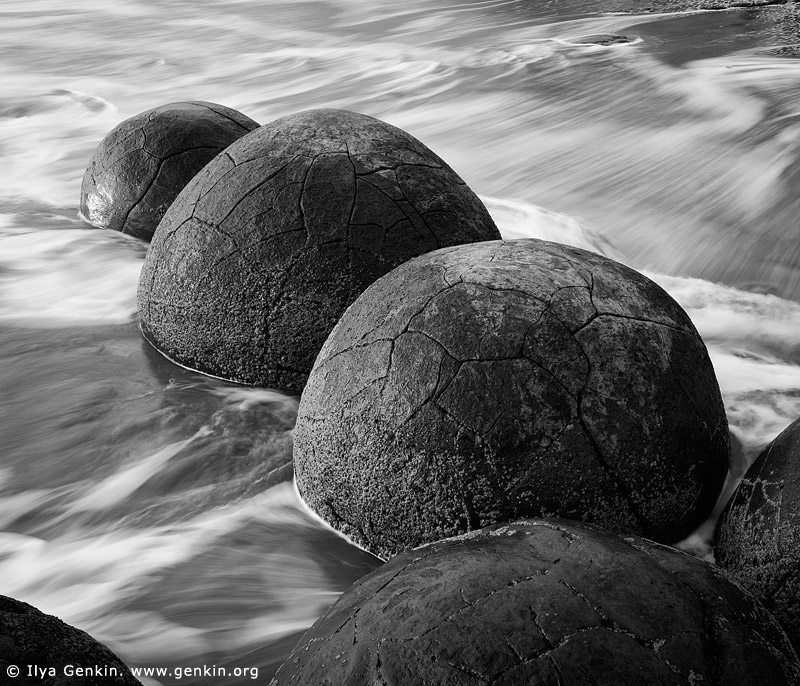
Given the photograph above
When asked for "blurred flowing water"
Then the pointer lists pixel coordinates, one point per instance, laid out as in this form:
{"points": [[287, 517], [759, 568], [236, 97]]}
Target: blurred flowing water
{"points": [[151, 506]]}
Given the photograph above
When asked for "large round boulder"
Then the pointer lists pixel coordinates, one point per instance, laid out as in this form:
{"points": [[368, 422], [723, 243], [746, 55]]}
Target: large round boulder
{"points": [[261, 253], [543, 603], [758, 539], [37, 648], [140, 167], [481, 383]]}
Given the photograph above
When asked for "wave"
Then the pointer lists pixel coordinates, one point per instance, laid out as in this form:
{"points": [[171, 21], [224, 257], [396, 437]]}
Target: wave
{"points": [[55, 278], [520, 219], [224, 580]]}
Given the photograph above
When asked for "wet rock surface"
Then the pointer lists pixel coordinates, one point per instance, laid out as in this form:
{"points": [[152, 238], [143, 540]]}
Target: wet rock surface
{"points": [[144, 162], [604, 39], [62, 654], [481, 383], [543, 602], [758, 540], [636, 6], [262, 251]]}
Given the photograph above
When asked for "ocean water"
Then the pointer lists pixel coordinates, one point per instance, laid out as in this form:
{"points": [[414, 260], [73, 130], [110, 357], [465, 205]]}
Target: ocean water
{"points": [[152, 506]]}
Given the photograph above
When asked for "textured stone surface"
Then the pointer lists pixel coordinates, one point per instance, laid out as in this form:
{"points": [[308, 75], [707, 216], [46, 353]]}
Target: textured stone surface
{"points": [[140, 167], [30, 637], [262, 251], [641, 6], [481, 383], [543, 603], [758, 538]]}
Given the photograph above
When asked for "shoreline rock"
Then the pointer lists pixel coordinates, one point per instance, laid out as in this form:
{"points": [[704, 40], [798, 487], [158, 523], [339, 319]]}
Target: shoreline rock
{"points": [[264, 249], [140, 167], [543, 602], [758, 537], [481, 383], [62, 654]]}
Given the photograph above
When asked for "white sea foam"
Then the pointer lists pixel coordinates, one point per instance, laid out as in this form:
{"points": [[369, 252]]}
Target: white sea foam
{"points": [[754, 343], [520, 219], [761, 399], [244, 398], [67, 276], [88, 578], [778, 77]]}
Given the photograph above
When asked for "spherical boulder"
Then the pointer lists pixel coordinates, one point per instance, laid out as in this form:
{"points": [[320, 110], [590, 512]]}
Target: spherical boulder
{"points": [[261, 253], [758, 538], [140, 167], [45, 650], [481, 383], [543, 603]]}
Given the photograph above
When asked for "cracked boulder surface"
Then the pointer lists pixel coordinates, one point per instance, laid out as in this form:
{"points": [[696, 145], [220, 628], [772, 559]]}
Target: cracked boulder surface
{"points": [[543, 603], [31, 637], [758, 538], [506, 379], [664, 6], [263, 250], [140, 167]]}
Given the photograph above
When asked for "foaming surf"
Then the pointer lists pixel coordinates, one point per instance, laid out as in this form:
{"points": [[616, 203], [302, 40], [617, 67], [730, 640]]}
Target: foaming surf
{"points": [[67, 276], [519, 219], [118, 584]]}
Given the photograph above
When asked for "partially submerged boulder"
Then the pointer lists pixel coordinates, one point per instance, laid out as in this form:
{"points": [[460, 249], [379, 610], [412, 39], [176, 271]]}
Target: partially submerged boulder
{"points": [[481, 383], [543, 603], [758, 539], [144, 162], [38, 649], [261, 253]]}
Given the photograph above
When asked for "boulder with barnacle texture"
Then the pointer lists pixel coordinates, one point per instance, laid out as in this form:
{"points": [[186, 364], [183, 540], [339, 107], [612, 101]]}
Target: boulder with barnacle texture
{"points": [[480, 383], [262, 252], [543, 603], [758, 539]]}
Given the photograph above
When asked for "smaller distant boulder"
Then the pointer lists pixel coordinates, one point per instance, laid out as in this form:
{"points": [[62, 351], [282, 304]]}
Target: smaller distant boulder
{"points": [[144, 162], [37, 649], [758, 540], [602, 39]]}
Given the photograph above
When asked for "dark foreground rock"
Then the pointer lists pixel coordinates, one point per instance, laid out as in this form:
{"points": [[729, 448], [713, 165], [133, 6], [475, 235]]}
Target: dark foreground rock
{"points": [[543, 603], [261, 253], [758, 540], [481, 383], [48, 652], [653, 6], [140, 167]]}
